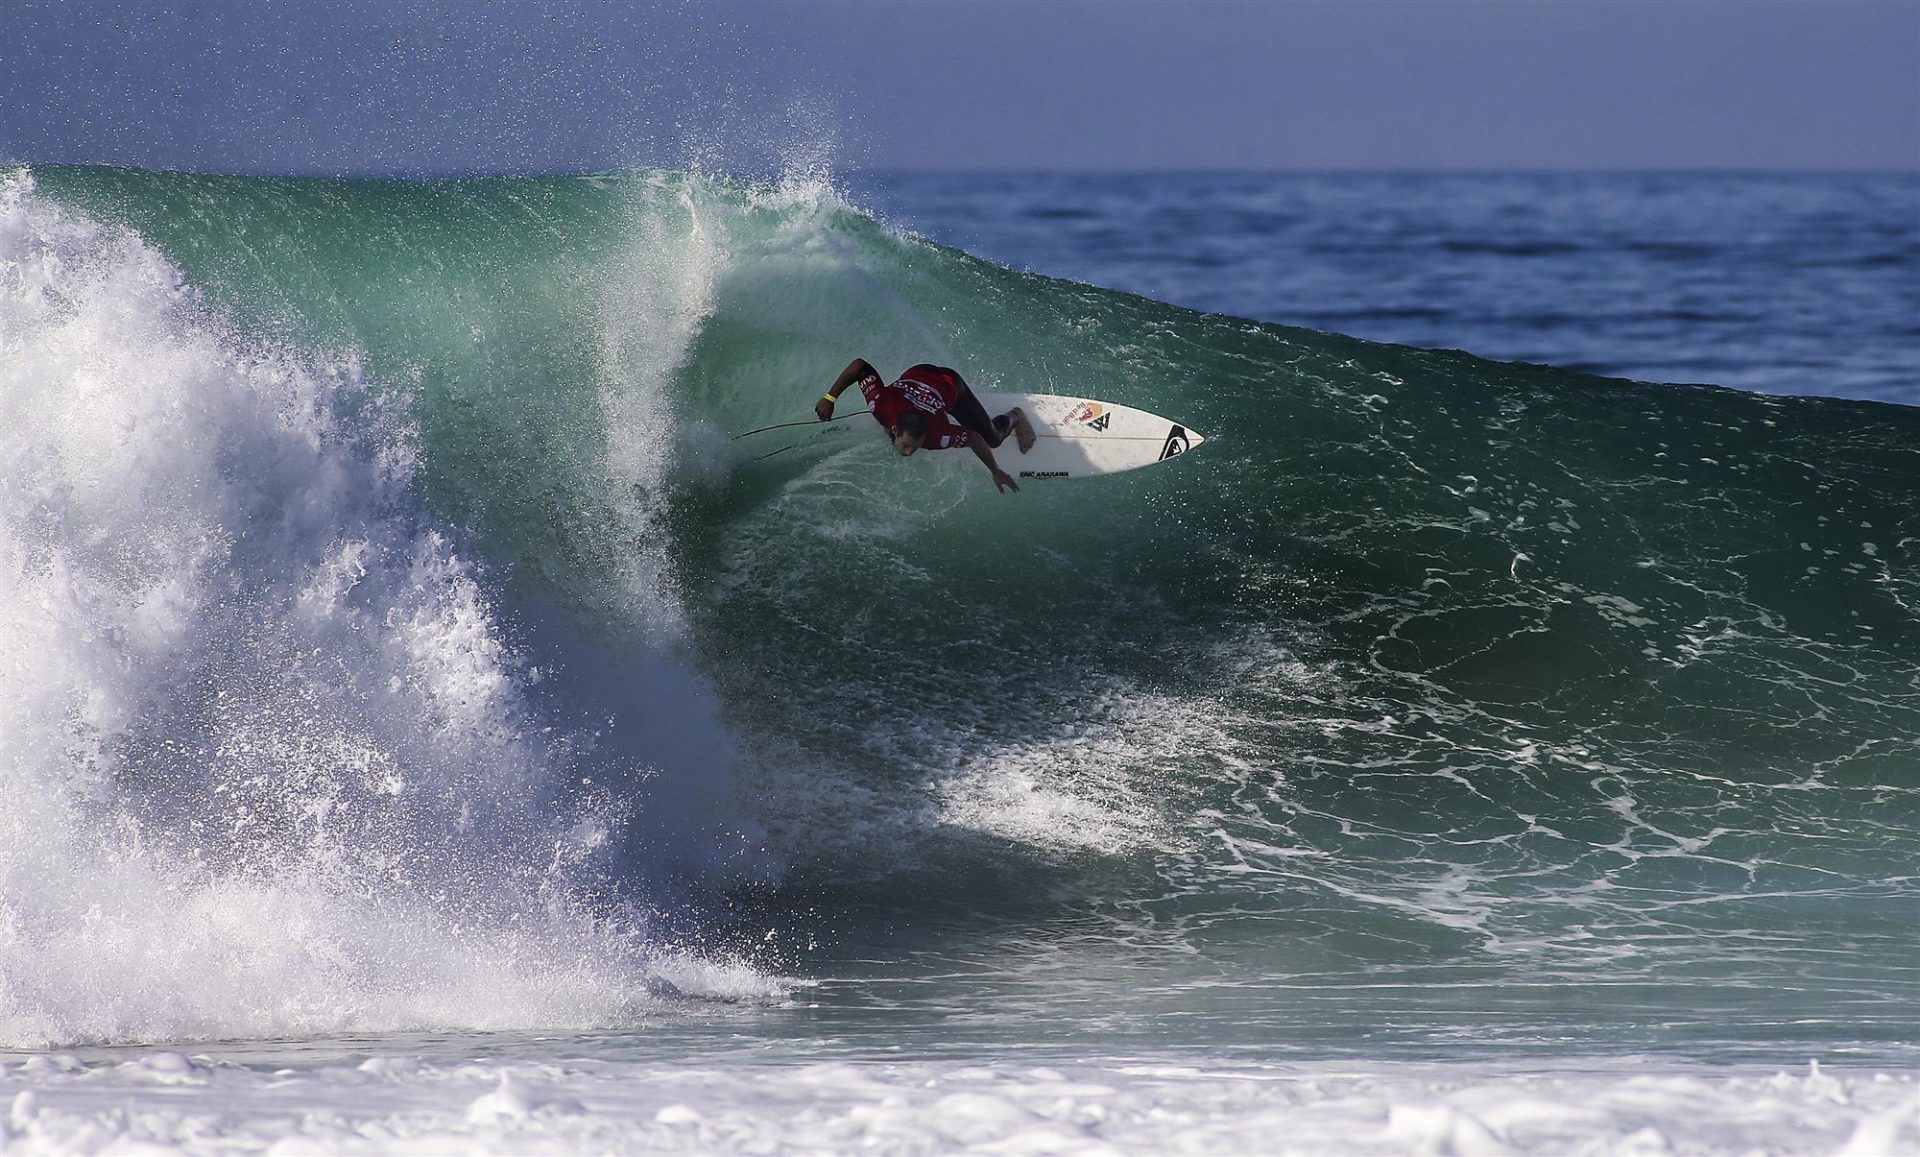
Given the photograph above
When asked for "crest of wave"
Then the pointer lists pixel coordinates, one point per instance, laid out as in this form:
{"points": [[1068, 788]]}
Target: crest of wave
{"points": [[265, 756], [694, 241]]}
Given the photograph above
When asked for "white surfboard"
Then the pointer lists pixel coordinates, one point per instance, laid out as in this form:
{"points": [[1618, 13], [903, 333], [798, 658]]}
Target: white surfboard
{"points": [[1081, 437]]}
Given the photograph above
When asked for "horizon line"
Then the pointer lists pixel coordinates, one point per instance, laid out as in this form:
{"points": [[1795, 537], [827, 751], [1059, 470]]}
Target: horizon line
{"points": [[897, 169]]}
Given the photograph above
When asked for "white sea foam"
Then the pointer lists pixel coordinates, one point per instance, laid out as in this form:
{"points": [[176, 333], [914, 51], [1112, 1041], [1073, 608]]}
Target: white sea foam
{"points": [[1097, 785], [167, 1102], [267, 762]]}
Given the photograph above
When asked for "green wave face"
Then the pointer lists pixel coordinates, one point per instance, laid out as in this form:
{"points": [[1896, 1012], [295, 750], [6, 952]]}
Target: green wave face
{"points": [[1426, 674]]}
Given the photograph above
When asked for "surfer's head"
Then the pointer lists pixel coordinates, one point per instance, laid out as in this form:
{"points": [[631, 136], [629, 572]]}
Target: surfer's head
{"points": [[909, 432]]}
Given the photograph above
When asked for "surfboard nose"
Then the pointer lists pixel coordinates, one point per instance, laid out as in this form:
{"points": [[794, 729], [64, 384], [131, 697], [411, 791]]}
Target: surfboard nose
{"points": [[1179, 441]]}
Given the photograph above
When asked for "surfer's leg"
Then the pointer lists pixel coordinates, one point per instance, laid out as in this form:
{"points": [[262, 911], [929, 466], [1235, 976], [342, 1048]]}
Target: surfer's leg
{"points": [[970, 413], [1016, 420]]}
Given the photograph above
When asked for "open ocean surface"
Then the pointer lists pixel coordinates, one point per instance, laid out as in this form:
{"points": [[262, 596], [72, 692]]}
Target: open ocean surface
{"points": [[423, 729], [1784, 284]]}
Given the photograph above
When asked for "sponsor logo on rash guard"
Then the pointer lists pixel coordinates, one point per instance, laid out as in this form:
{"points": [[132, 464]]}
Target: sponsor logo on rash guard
{"points": [[923, 396]]}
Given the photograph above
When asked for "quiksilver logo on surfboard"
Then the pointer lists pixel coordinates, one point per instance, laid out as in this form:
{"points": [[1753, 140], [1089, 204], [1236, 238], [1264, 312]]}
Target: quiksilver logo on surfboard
{"points": [[1176, 443]]}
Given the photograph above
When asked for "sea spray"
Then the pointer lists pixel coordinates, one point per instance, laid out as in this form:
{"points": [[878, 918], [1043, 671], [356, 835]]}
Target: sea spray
{"points": [[270, 766]]}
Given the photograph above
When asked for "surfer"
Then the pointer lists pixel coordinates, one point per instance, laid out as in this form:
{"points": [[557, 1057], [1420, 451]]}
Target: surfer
{"points": [[932, 407]]}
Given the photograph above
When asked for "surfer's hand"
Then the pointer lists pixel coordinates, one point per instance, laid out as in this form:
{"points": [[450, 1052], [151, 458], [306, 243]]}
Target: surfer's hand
{"points": [[823, 409], [1003, 481]]}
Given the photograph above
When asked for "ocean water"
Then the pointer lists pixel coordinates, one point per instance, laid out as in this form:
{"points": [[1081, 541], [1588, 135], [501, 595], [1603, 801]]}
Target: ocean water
{"points": [[1777, 283], [424, 727]]}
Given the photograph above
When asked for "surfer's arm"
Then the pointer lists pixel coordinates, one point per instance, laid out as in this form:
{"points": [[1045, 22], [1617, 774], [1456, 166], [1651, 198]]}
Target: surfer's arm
{"points": [[858, 369], [1001, 479]]}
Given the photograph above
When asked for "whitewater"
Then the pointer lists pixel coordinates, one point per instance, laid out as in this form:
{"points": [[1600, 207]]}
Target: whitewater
{"points": [[423, 728]]}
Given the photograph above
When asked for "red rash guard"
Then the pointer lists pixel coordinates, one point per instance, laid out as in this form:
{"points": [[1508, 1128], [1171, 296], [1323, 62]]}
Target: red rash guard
{"points": [[932, 390]]}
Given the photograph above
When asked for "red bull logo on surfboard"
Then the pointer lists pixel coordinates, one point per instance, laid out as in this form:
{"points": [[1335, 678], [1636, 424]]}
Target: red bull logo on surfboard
{"points": [[1091, 414]]}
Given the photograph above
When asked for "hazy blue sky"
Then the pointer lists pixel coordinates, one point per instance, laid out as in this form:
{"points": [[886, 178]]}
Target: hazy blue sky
{"points": [[436, 86]]}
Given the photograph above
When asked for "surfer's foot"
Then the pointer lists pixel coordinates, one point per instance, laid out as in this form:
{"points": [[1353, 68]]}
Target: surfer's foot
{"points": [[1022, 429], [1003, 428]]}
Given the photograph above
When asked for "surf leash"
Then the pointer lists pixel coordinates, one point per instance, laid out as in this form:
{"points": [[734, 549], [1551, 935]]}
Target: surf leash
{"points": [[808, 422]]}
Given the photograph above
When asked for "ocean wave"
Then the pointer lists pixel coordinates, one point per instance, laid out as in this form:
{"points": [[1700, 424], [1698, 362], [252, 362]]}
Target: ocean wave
{"points": [[383, 557]]}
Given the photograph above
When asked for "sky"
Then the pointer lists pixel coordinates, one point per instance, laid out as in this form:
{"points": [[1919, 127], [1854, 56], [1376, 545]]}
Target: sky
{"points": [[442, 87]]}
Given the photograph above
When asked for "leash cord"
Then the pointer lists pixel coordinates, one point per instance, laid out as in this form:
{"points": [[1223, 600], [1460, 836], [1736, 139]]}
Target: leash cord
{"points": [[814, 422]]}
